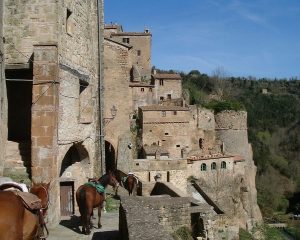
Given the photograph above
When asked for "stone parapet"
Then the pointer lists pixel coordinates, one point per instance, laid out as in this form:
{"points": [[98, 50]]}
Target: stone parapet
{"points": [[153, 217], [231, 120]]}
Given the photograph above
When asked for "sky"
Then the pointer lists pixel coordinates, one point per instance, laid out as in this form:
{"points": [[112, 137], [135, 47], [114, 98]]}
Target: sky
{"points": [[259, 38]]}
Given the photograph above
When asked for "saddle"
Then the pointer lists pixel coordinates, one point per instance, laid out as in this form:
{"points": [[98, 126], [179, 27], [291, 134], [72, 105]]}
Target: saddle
{"points": [[30, 201]]}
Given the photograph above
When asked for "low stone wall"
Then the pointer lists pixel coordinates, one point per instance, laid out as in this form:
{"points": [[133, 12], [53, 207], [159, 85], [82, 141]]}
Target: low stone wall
{"points": [[153, 217]]}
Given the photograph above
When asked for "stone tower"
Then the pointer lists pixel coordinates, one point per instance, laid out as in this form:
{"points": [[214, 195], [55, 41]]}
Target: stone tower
{"points": [[231, 129]]}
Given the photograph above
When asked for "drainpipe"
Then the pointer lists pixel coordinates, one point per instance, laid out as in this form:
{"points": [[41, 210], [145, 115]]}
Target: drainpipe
{"points": [[100, 83]]}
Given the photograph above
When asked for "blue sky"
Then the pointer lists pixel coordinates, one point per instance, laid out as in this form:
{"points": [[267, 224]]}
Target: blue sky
{"points": [[259, 38]]}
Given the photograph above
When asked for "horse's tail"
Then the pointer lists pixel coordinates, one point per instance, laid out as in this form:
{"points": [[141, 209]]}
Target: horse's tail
{"points": [[82, 202]]}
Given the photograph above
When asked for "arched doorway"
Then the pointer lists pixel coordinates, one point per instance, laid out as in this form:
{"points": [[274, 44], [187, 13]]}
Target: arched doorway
{"points": [[74, 170], [110, 157]]}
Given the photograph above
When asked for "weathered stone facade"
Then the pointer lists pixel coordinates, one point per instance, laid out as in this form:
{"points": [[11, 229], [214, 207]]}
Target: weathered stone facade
{"points": [[153, 218], [57, 41], [167, 86], [3, 98]]}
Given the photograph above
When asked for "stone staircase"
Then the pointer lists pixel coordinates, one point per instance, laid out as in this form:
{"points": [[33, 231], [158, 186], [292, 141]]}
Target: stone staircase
{"points": [[17, 160]]}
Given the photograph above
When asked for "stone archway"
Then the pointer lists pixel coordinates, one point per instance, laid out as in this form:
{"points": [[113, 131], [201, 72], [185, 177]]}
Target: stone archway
{"points": [[74, 171], [110, 157]]}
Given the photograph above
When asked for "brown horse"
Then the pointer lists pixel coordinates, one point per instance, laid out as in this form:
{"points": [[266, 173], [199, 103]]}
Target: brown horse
{"points": [[88, 198], [16, 221], [131, 183]]}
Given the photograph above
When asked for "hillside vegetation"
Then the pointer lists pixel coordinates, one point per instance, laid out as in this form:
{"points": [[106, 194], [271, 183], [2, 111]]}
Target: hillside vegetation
{"points": [[273, 108]]}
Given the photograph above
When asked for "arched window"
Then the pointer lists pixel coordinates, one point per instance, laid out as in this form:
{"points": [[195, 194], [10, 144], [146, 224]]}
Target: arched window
{"points": [[201, 142], [213, 166], [223, 165], [203, 167]]}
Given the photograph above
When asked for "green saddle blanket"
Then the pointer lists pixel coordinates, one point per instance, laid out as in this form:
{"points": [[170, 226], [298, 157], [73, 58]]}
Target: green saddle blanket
{"points": [[100, 188]]}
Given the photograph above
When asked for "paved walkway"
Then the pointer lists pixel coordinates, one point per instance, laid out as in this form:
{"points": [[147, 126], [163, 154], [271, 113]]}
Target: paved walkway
{"points": [[70, 229]]}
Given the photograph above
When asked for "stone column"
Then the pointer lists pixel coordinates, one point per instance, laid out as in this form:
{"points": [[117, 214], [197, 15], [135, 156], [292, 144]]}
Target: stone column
{"points": [[44, 122], [44, 113]]}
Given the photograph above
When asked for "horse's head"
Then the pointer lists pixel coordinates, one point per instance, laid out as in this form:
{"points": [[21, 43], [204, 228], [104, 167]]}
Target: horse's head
{"points": [[42, 191], [113, 180]]}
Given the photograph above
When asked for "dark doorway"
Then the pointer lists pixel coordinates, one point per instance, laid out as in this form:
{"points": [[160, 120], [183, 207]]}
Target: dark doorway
{"points": [[110, 157], [19, 95], [67, 198]]}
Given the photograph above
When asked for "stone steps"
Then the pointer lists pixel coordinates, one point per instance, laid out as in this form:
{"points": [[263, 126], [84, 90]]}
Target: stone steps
{"points": [[17, 157]]}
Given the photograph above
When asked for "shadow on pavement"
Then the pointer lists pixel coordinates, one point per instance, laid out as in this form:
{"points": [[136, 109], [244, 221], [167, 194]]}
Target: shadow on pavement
{"points": [[109, 235], [73, 223]]}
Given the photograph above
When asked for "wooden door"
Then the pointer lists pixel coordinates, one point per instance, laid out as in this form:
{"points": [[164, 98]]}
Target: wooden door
{"points": [[66, 198]]}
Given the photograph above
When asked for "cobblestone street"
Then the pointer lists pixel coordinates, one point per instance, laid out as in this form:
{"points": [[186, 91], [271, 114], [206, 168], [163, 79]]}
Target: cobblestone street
{"points": [[70, 229]]}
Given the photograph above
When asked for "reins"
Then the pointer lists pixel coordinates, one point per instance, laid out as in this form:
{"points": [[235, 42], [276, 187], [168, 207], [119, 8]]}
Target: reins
{"points": [[42, 224]]}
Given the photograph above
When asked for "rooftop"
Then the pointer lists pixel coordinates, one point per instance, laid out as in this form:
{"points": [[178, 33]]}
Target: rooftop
{"points": [[173, 76], [163, 108], [152, 150]]}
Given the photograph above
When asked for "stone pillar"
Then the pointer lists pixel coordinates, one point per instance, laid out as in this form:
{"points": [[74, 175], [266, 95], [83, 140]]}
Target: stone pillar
{"points": [[44, 122], [44, 113]]}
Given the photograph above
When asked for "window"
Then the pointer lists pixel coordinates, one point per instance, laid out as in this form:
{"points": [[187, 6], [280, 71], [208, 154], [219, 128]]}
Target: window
{"points": [[201, 141], [166, 133], [163, 113], [69, 23], [223, 165], [203, 167], [213, 166], [125, 40], [177, 146], [174, 112], [161, 82], [161, 98], [85, 98], [169, 96], [142, 89], [138, 52]]}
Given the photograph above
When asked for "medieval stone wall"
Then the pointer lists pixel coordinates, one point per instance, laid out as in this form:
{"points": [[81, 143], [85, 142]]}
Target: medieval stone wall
{"points": [[117, 92], [162, 115], [142, 95], [173, 137], [141, 42], [27, 23], [63, 35], [171, 170], [170, 87], [231, 129], [3, 98], [153, 217]]}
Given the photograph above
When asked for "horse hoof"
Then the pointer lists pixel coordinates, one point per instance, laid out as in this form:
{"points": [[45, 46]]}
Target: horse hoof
{"points": [[99, 226]]}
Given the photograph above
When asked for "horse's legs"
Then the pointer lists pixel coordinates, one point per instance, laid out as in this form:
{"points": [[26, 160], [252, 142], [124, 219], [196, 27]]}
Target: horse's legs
{"points": [[88, 222], [99, 215]]}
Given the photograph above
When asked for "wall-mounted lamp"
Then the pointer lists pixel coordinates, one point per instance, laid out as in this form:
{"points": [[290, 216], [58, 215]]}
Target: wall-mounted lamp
{"points": [[113, 113]]}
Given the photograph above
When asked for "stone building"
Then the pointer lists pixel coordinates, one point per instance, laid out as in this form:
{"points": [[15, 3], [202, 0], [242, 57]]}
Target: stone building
{"points": [[141, 49], [52, 68], [165, 126], [117, 96], [168, 86], [127, 75]]}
